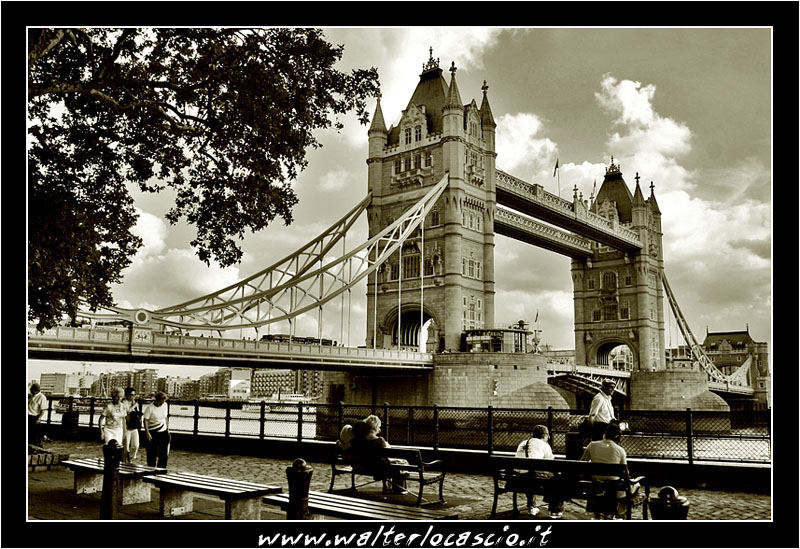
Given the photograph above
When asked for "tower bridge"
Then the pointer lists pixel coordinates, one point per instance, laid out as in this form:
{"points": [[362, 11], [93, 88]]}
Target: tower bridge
{"points": [[434, 203]]}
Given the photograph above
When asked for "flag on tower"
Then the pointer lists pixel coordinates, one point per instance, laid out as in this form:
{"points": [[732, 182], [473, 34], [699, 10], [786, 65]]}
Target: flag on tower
{"points": [[537, 316], [556, 168]]}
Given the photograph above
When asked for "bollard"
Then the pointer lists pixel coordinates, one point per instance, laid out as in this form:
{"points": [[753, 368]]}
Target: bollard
{"points": [[299, 476], [669, 505], [112, 487]]}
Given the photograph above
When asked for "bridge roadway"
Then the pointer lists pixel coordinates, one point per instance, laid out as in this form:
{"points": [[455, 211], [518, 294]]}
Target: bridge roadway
{"points": [[115, 345]]}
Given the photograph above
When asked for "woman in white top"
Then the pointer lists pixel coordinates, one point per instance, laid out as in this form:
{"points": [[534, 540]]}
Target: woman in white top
{"points": [[112, 418], [156, 430], [537, 447]]}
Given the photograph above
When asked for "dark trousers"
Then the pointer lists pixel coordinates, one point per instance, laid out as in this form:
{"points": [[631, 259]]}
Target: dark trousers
{"points": [[34, 431], [158, 449], [598, 430]]}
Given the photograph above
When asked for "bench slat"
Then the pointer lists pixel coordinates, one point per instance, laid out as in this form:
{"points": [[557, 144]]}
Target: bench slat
{"points": [[210, 485], [224, 481], [348, 507]]}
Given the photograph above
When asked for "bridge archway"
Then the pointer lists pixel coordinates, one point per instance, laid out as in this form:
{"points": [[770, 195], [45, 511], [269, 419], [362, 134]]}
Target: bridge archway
{"points": [[411, 327], [617, 354]]}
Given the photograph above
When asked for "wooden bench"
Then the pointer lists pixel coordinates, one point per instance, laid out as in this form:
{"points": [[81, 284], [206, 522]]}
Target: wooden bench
{"points": [[414, 470], [39, 457], [572, 479], [346, 507], [242, 499], [89, 478]]}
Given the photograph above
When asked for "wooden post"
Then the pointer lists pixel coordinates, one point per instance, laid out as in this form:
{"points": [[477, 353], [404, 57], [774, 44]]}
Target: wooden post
{"points": [[435, 427], [410, 424], [550, 423], [300, 422], [490, 429], [196, 428], [91, 411], [263, 415], [689, 436], [228, 419], [386, 421], [299, 477], [112, 486]]}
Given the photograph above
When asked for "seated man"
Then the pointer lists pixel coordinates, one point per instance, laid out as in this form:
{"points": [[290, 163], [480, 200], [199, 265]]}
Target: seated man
{"points": [[537, 447], [607, 450]]}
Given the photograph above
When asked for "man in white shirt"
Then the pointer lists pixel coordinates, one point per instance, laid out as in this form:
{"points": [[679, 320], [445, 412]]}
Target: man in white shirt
{"points": [[601, 411], [37, 404]]}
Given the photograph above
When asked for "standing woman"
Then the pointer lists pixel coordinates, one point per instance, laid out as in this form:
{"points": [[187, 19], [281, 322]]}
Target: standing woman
{"points": [[156, 430], [133, 422], [112, 418]]}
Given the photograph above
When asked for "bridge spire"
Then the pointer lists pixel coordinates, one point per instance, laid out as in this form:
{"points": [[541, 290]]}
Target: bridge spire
{"points": [[487, 118], [453, 97], [652, 200], [378, 123]]}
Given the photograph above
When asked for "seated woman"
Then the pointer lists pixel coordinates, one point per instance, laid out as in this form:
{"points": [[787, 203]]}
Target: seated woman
{"points": [[365, 446], [607, 450]]}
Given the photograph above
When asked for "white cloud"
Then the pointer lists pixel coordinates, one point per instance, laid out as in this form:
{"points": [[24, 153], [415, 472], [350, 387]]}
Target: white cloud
{"points": [[520, 144], [335, 180]]}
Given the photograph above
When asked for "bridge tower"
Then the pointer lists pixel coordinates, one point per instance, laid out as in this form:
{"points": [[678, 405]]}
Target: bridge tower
{"points": [[437, 134], [618, 296]]}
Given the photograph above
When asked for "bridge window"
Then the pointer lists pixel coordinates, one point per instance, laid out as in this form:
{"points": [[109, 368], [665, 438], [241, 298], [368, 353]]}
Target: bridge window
{"points": [[628, 280], [435, 218], [407, 134], [610, 311], [428, 267], [624, 311], [597, 315], [417, 161], [464, 267], [471, 268], [418, 133], [428, 159], [590, 283], [411, 266], [478, 274], [398, 166], [610, 281], [394, 272]]}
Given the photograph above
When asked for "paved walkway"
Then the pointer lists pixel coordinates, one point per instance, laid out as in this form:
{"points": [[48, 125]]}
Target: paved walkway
{"points": [[469, 494]]}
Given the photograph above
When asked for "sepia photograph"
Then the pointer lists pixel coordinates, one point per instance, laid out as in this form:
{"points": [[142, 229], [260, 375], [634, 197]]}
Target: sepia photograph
{"points": [[360, 285]]}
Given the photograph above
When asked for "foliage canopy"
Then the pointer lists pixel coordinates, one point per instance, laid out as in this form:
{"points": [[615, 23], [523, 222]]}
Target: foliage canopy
{"points": [[221, 116]]}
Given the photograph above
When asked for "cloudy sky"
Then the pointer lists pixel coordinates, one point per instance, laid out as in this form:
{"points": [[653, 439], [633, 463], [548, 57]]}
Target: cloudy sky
{"points": [[689, 109]]}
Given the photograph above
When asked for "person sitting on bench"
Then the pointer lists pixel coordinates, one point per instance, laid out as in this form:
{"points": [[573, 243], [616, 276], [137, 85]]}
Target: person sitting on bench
{"points": [[537, 447], [607, 450]]}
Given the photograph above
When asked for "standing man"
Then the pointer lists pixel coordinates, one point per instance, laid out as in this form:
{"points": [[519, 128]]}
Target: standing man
{"points": [[37, 404], [601, 412], [156, 431]]}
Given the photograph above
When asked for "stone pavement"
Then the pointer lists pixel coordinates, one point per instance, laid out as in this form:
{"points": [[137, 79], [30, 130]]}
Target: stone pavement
{"points": [[469, 494]]}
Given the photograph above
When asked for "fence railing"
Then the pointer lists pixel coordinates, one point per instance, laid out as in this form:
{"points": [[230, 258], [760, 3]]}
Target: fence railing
{"points": [[688, 435]]}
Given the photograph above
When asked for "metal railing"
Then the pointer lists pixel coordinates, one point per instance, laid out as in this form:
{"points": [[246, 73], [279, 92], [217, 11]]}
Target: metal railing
{"points": [[687, 435]]}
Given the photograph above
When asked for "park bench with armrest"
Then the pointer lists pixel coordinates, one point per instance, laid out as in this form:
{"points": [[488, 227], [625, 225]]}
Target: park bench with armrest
{"points": [[346, 507], [242, 499], [403, 465], [575, 480], [89, 478]]}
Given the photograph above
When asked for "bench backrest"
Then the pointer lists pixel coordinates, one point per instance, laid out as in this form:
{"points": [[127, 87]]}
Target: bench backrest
{"points": [[583, 468], [414, 457]]}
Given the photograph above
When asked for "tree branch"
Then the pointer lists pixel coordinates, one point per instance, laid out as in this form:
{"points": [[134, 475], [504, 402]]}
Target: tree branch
{"points": [[41, 48]]}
